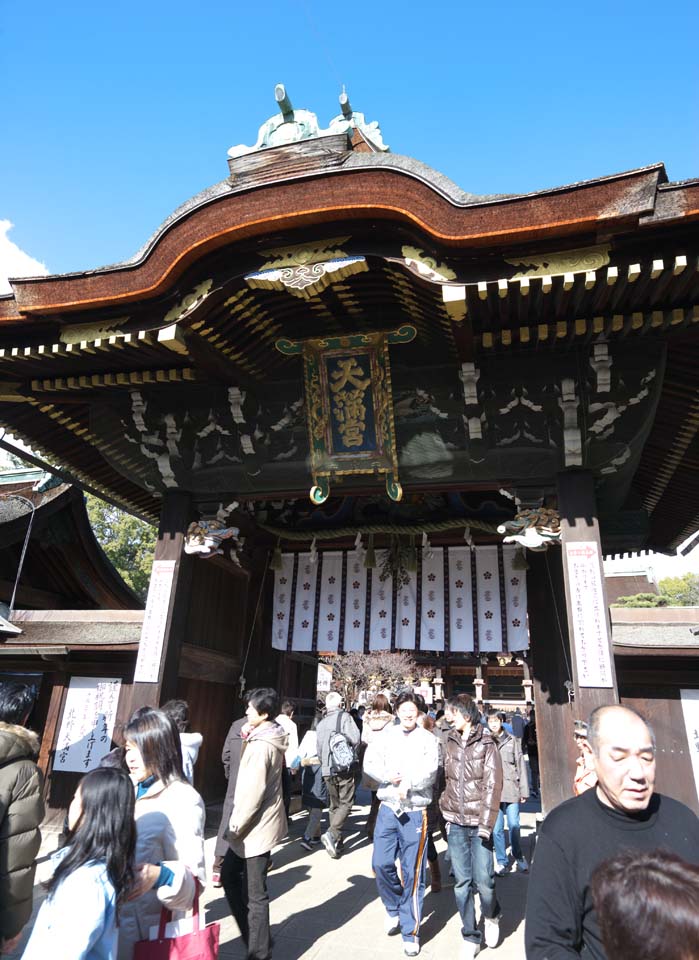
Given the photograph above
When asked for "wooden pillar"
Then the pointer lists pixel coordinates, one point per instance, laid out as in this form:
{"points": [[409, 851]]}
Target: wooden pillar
{"points": [[550, 668], [594, 675], [164, 622]]}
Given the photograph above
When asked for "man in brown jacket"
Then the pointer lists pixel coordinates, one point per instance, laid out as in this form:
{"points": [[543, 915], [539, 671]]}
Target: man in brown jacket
{"points": [[21, 811], [257, 823], [470, 805]]}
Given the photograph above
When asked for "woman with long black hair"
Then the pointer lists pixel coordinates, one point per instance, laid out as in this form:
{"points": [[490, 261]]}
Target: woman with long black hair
{"points": [[169, 828], [93, 875]]}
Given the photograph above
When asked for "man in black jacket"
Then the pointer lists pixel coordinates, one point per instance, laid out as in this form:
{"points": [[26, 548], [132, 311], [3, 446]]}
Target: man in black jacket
{"points": [[622, 812]]}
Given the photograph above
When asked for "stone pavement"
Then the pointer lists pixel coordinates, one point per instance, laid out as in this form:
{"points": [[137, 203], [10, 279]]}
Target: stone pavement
{"points": [[323, 908]]}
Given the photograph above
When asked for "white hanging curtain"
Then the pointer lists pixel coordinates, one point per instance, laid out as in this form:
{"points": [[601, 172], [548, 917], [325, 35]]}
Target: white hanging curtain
{"points": [[458, 601]]}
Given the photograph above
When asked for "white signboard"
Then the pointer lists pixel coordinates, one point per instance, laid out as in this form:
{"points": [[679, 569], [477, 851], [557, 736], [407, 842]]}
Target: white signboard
{"points": [[150, 647], [589, 614], [690, 710], [324, 680], [88, 723]]}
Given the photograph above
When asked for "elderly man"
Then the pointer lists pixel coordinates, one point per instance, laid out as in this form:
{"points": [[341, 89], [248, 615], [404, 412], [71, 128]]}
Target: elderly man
{"points": [[621, 812], [336, 725]]}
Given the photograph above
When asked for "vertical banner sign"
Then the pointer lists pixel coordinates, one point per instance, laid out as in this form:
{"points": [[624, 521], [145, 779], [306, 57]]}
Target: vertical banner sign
{"points": [[381, 606], [88, 723], [304, 610], [150, 648], [355, 603], [282, 602], [330, 609], [432, 610], [515, 602], [460, 600], [590, 629], [690, 710], [488, 592]]}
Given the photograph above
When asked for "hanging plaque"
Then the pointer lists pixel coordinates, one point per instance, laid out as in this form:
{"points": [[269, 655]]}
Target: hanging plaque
{"points": [[349, 407]]}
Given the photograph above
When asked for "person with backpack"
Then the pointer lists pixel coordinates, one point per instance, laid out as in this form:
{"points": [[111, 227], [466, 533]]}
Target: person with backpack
{"points": [[338, 740], [93, 875]]}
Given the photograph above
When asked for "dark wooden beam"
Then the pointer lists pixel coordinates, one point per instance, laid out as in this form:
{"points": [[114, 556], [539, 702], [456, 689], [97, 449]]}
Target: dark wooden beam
{"points": [[216, 366], [31, 597], [550, 669]]}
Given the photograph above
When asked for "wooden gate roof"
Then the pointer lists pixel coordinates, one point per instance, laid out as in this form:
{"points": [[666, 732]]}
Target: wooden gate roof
{"points": [[524, 283]]}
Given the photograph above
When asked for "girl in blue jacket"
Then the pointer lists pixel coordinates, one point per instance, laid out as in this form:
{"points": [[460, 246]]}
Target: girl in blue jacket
{"points": [[93, 874]]}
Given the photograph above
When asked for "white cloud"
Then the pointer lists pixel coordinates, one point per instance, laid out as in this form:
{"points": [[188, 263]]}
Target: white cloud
{"points": [[14, 262]]}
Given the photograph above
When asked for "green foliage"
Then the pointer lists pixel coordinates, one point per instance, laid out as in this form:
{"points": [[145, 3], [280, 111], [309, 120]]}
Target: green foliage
{"points": [[681, 591], [641, 600], [128, 542]]}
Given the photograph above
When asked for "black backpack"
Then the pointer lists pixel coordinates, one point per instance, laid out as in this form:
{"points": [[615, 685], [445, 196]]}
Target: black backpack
{"points": [[343, 755]]}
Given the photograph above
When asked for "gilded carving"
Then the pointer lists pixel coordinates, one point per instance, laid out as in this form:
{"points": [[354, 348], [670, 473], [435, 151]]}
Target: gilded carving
{"points": [[85, 332], [189, 303], [301, 254], [309, 279], [561, 262], [425, 266]]}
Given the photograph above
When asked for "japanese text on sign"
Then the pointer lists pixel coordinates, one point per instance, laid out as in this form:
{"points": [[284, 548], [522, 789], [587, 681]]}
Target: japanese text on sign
{"points": [[589, 615], [150, 647], [88, 723]]}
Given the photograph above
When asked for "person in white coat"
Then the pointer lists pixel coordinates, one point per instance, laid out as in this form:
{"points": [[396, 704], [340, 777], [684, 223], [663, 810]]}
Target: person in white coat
{"points": [[169, 828]]}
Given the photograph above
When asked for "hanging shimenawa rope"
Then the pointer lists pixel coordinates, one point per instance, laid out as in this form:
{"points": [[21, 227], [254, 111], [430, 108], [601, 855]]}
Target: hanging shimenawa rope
{"points": [[390, 528]]}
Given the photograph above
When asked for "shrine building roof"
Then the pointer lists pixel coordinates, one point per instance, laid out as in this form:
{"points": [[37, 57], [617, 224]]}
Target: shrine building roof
{"points": [[165, 370]]}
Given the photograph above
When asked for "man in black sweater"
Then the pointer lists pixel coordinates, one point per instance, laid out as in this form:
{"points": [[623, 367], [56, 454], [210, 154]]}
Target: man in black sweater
{"points": [[622, 812]]}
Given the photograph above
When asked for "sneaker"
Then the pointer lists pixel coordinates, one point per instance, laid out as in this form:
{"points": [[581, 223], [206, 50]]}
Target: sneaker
{"points": [[522, 865], [411, 948], [391, 924], [307, 843], [491, 929], [501, 868], [469, 950], [328, 841]]}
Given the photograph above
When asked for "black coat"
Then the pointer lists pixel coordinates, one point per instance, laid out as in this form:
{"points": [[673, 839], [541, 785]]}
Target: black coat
{"points": [[230, 756]]}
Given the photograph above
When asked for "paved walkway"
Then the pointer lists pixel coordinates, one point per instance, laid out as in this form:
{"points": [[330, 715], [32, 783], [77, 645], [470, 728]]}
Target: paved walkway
{"points": [[323, 908]]}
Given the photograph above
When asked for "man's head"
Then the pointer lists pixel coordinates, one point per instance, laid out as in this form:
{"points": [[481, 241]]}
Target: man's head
{"points": [[623, 753], [464, 711], [407, 710], [333, 701], [288, 708], [16, 702], [646, 905]]}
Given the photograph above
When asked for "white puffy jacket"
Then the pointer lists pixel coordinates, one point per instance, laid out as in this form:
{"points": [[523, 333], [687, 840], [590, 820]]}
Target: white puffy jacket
{"points": [[170, 830]]}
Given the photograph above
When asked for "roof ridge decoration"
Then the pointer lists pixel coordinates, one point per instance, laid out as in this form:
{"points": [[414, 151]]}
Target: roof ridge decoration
{"points": [[292, 126]]}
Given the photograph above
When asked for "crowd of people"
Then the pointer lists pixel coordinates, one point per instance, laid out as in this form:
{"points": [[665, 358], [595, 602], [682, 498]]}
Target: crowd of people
{"points": [[615, 873]]}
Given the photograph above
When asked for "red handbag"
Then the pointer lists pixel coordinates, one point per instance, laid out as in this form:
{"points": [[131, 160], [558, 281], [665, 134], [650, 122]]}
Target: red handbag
{"points": [[200, 944]]}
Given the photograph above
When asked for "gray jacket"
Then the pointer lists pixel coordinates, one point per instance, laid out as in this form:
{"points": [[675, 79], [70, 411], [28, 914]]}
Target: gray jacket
{"points": [[326, 727], [515, 784]]}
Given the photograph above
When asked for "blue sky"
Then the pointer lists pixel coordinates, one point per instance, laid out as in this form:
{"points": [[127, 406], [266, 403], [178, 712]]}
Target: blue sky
{"points": [[113, 114]]}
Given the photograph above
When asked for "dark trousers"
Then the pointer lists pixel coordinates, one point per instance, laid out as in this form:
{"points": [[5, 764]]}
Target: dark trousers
{"points": [[244, 882], [341, 790], [472, 863]]}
